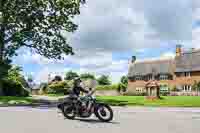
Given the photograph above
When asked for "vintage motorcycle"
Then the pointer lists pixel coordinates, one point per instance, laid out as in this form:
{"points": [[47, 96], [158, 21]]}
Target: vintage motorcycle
{"points": [[74, 108]]}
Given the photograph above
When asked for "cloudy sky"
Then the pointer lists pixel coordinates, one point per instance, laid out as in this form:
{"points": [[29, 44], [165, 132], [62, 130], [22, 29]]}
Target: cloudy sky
{"points": [[111, 31]]}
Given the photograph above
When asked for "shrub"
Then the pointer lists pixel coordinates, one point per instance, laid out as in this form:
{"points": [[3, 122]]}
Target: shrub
{"points": [[58, 87], [164, 93], [107, 87], [121, 87], [14, 88]]}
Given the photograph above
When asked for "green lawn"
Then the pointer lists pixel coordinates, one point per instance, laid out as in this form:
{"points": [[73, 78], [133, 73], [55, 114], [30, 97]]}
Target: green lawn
{"points": [[166, 101], [10, 100]]}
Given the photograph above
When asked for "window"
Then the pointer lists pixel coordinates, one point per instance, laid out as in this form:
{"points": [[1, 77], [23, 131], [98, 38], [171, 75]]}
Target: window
{"points": [[149, 77], [164, 88], [164, 77], [187, 74], [139, 77], [139, 89], [187, 88]]}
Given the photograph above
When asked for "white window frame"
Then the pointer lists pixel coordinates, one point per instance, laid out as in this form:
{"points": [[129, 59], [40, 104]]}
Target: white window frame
{"points": [[187, 74], [187, 88], [164, 77]]}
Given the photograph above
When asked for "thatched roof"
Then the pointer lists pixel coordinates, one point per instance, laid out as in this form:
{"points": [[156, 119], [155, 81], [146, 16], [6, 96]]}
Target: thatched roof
{"points": [[148, 67], [188, 61]]}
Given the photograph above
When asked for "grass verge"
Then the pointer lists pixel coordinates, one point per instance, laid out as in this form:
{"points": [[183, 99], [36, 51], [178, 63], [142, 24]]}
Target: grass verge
{"points": [[165, 101], [10, 100]]}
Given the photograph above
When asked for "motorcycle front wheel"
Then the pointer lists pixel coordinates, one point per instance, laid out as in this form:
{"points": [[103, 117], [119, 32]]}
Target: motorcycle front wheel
{"points": [[104, 113], [69, 112]]}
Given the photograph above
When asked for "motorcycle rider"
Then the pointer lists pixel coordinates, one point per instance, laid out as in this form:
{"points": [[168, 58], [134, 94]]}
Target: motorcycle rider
{"points": [[76, 91]]}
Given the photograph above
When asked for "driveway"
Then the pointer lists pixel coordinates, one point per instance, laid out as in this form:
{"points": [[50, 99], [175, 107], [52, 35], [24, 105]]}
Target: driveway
{"points": [[127, 120]]}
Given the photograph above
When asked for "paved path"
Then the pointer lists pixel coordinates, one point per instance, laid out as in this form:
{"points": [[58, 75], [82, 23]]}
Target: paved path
{"points": [[127, 120]]}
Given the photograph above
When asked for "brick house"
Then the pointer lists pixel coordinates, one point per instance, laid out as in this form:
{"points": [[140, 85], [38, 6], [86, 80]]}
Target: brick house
{"points": [[178, 73]]}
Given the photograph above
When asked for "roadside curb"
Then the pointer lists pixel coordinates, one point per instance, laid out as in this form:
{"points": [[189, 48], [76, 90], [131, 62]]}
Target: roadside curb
{"points": [[28, 105]]}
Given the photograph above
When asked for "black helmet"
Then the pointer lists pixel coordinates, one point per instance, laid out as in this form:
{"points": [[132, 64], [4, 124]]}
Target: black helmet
{"points": [[77, 80]]}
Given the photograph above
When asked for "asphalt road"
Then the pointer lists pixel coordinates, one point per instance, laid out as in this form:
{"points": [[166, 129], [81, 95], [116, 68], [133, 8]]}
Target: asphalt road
{"points": [[127, 120]]}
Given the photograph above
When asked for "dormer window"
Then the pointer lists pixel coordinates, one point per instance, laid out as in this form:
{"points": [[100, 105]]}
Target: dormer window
{"points": [[164, 77], [139, 77], [187, 74]]}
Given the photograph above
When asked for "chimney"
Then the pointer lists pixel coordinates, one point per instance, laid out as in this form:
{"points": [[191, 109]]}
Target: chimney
{"points": [[133, 59], [178, 50]]}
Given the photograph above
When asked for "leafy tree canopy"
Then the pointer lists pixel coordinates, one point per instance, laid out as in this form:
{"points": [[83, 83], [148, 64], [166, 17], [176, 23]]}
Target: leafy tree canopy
{"points": [[38, 25], [57, 78], [14, 74], [124, 80], [104, 80], [86, 76], [71, 75]]}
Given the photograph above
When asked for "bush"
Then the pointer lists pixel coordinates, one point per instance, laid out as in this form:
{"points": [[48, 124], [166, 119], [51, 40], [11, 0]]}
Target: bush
{"points": [[58, 87], [14, 88], [107, 87], [164, 93], [121, 87]]}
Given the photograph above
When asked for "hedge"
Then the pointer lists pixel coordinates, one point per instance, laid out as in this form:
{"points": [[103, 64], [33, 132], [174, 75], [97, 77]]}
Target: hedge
{"points": [[58, 87]]}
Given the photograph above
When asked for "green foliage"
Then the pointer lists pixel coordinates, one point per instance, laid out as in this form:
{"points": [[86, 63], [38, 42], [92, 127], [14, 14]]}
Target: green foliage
{"points": [[14, 74], [86, 76], [58, 87], [57, 78], [4, 67], [104, 80], [124, 80], [43, 88], [164, 93], [174, 89], [121, 87], [37, 24], [13, 83], [14, 88], [196, 86], [107, 87], [71, 75]]}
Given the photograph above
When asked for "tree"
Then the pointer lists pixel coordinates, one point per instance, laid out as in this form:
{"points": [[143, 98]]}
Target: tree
{"points": [[71, 75], [104, 80], [124, 80], [57, 78], [196, 86], [14, 74], [38, 25], [86, 76], [4, 67]]}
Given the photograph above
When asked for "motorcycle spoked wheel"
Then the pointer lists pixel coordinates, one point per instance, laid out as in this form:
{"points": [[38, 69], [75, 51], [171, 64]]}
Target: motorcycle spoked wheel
{"points": [[69, 112], [104, 113]]}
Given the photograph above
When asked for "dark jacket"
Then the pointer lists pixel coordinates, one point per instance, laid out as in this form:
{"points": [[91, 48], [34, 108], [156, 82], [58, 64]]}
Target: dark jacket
{"points": [[78, 90]]}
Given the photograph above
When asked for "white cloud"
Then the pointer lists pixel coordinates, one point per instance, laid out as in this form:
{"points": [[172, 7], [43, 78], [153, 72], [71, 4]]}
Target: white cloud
{"points": [[115, 26]]}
